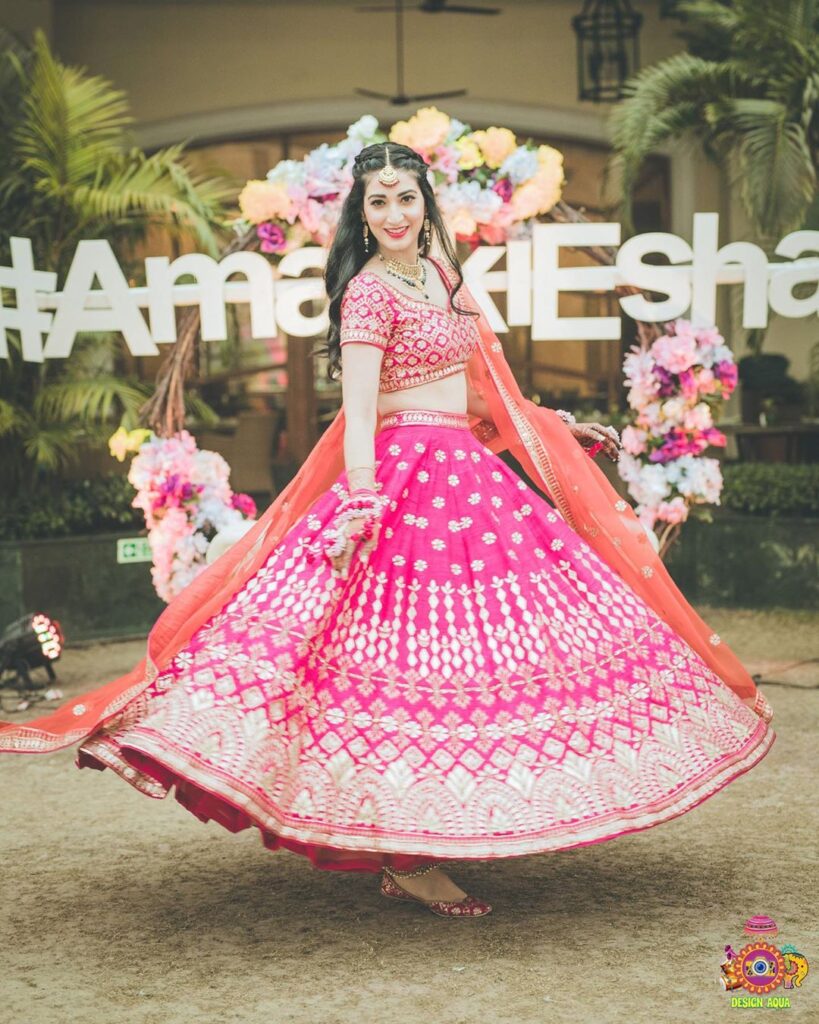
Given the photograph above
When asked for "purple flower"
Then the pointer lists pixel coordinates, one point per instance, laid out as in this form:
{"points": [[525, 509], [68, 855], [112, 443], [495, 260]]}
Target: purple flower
{"points": [[726, 373], [668, 383], [272, 237]]}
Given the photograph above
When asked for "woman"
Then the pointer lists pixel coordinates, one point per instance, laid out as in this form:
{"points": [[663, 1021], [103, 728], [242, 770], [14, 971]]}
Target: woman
{"points": [[413, 658]]}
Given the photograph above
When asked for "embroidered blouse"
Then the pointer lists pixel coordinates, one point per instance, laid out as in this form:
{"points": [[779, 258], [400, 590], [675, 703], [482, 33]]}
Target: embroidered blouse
{"points": [[421, 340]]}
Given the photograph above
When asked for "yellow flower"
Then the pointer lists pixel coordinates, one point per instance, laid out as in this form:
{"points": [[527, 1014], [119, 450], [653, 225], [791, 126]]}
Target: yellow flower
{"points": [[425, 130], [462, 223], [118, 444], [496, 145], [261, 201], [540, 193], [122, 442], [550, 160], [469, 153]]}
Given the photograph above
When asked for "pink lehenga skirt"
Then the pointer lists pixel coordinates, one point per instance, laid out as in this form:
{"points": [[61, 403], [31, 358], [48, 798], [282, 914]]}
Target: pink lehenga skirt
{"points": [[484, 686]]}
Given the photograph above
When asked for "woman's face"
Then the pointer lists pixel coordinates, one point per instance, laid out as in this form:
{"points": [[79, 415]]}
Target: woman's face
{"points": [[395, 215]]}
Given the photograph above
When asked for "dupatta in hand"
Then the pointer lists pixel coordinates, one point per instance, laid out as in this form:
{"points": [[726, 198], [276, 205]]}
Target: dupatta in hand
{"points": [[546, 449]]}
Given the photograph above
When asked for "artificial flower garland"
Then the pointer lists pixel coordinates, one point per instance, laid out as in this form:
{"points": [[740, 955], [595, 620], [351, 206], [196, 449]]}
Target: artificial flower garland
{"points": [[677, 387], [186, 498], [490, 188]]}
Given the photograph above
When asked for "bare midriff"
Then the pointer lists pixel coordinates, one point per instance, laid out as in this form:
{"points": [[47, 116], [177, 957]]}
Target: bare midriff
{"points": [[448, 394]]}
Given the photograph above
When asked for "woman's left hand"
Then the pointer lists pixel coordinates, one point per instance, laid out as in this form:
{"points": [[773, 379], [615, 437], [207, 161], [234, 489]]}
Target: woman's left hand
{"points": [[589, 434]]}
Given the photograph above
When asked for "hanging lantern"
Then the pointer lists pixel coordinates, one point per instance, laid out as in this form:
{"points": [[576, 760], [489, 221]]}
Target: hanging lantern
{"points": [[607, 51]]}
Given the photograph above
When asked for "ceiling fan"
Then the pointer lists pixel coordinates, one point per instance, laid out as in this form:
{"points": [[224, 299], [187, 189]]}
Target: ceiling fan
{"points": [[401, 98]]}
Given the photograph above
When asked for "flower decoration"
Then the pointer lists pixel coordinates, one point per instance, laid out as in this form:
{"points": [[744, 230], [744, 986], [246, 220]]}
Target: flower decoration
{"points": [[490, 186], [186, 499], [676, 387]]}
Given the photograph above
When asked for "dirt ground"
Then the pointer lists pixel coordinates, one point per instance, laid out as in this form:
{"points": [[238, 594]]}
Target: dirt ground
{"points": [[119, 909]]}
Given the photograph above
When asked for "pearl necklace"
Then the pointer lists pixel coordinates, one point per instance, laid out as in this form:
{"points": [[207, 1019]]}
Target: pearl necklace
{"points": [[412, 274]]}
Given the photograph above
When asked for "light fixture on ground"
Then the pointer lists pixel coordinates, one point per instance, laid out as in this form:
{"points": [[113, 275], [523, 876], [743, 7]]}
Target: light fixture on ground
{"points": [[607, 48], [31, 642]]}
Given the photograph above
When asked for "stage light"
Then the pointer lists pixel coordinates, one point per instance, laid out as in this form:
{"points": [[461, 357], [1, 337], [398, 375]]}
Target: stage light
{"points": [[31, 642]]}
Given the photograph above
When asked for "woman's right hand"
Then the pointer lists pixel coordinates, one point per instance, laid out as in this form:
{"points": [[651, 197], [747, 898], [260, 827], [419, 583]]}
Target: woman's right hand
{"points": [[341, 563]]}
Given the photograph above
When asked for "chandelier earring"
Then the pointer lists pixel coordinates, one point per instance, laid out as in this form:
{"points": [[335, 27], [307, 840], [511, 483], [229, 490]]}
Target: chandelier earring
{"points": [[426, 235], [366, 237]]}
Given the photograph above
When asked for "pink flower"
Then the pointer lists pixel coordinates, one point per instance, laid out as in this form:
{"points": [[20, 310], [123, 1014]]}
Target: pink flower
{"points": [[245, 504], [706, 382], [674, 511], [675, 352], [273, 239], [504, 188], [634, 440], [709, 337], [698, 418], [688, 384]]}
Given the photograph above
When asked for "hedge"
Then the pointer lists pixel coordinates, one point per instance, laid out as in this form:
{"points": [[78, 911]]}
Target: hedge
{"points": [[771, 489], [104, 505]]}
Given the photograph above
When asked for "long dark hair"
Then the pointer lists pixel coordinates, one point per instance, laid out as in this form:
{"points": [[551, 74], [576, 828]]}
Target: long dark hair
{"points": [[347, 255]]}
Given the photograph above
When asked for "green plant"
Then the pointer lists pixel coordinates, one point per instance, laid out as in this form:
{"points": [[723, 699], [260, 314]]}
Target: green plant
{"points": [[748, 89], [770, 489], [68, 171], [87, 506]]}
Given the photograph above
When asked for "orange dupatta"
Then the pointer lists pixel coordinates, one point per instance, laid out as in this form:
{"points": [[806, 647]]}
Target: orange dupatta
{"points": [[546, 449]]}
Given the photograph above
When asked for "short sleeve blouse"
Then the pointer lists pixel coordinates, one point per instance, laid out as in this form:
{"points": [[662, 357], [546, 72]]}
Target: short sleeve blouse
{"points": [[367, 312]]}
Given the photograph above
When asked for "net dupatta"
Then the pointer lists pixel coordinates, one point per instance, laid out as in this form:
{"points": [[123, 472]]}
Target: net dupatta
{"points": [[547, 451]]}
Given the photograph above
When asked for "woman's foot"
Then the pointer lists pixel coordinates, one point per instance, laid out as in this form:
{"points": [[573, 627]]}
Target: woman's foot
{"points": [[435, 890], [432, 885]]}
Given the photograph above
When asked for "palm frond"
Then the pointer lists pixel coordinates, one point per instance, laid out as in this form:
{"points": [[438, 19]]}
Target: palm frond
{"points": [[161, 187], [88, 400], [663, 102], [52, 448], [197, 407], [73, 124], [13, 419], [772, 162]]}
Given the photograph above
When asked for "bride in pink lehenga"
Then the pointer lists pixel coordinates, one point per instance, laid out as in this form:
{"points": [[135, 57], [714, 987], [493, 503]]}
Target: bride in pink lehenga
{"points": [[413, 657]]}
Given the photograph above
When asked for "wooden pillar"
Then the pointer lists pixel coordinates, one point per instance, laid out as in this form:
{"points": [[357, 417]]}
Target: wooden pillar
{"points": [[302, 425]]}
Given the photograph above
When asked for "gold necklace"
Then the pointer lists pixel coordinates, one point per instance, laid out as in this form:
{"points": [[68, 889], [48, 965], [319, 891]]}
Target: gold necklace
{"points": [[413, 274]]}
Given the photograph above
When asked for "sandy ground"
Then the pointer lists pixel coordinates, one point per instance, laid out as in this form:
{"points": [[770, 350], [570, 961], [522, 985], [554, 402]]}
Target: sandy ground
{"points": [[119, 909]]}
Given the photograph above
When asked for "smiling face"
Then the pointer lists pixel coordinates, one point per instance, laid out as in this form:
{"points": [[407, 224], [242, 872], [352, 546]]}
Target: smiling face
{"points": [[395, 215]]}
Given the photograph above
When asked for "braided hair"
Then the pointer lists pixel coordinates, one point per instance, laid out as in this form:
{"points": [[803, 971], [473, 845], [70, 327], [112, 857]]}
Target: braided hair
{"points": [[347, 255]]}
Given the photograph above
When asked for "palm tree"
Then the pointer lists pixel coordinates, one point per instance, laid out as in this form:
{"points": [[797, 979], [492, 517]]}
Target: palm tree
{"points": [[748, 89], [68, 171]]}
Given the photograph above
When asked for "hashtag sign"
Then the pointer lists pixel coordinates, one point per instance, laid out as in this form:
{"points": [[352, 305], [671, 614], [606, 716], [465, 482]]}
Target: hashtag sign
{"points": [[24, 316]]}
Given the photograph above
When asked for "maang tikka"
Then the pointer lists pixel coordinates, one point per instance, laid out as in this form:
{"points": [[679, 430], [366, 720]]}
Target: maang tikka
{"points": [[388, 175]]}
